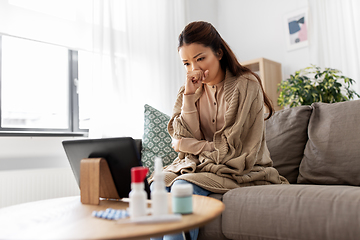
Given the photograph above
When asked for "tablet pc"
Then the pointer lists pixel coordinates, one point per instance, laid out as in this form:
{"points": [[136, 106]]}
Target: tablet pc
{"points": [[120, 153]]}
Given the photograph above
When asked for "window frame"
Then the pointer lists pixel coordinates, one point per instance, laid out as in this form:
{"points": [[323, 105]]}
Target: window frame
{"points": [[73, 108]]}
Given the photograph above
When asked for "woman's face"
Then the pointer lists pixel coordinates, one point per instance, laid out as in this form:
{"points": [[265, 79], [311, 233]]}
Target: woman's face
{"points": [[198, 57]]}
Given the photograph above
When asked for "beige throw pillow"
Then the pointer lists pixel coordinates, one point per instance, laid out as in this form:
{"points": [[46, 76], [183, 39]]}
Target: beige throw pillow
{"points": [[332, 154], [286, 137]]}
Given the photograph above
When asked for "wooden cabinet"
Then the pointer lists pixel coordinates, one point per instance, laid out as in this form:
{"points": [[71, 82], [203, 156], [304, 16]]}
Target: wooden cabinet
{"points": [[270, 74]]}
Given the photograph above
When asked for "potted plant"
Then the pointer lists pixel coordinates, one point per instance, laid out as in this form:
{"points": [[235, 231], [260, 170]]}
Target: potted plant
{"points": [[312, 84]]}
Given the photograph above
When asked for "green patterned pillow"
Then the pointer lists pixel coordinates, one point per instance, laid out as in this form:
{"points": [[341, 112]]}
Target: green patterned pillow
{"points": [[156, 141]]}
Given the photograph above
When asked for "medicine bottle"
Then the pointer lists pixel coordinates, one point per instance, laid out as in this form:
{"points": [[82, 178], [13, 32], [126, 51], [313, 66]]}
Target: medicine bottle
{"points": [[182, 198], [159, 195], [138, 196]]}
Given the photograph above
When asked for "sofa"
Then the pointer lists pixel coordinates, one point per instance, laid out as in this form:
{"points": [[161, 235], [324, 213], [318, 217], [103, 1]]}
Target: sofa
{"points": [[317, 148]]}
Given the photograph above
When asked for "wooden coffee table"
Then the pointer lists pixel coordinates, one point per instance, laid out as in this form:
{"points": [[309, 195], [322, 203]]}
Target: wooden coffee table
{"points": [[68, 218]]}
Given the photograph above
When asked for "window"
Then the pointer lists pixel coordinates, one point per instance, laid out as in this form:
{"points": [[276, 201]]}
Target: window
{"points": [[84, 87], [39, 91]]}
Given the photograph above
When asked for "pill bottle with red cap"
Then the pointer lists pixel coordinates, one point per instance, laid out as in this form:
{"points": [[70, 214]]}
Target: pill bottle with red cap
{"points": [[138, 196]]}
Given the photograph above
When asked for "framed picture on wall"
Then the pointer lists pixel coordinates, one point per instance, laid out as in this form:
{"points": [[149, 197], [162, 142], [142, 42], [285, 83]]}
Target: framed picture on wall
{"points": [[296, 29]]}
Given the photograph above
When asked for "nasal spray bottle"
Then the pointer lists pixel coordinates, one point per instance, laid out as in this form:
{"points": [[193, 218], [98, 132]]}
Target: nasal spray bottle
{"points": [[138, 196], [159, 195]]}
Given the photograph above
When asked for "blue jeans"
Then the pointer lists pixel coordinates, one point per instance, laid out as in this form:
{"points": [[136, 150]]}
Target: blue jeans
{"points": [[193, 232]]}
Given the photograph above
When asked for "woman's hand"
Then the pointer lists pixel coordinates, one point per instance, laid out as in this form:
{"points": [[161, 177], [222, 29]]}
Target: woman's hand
{"points": [[175, 144], [194, 80]]}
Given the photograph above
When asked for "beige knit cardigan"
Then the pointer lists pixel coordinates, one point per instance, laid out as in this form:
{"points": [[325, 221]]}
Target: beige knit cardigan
{"points": [[241, 157]]}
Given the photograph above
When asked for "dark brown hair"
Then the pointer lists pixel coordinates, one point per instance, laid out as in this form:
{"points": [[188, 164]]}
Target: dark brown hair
{"points": [[204, 33]]}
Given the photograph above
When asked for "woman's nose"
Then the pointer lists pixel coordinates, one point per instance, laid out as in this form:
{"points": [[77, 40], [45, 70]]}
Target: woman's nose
{"points": [[195, 67]]}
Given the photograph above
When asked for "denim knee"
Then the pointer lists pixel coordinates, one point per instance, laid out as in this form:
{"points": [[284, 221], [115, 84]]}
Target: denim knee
{"points": [[196, 189]]}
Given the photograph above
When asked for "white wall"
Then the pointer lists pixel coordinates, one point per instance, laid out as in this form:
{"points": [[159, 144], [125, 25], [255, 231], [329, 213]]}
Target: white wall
{"points": [[202, 10], [34, 168], [32, 153], [256, 29]]}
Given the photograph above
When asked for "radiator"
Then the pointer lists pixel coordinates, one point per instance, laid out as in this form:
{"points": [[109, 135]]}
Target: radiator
{"points": [[22, 186]]}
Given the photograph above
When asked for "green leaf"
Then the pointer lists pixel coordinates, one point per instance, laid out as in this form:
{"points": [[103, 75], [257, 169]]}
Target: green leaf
{"points": [[312, 84]]}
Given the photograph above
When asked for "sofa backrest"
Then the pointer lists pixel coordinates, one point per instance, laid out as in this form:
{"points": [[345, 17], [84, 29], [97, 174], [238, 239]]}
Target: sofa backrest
{"points": [[332, 153], [317, 144], [286, 137]]}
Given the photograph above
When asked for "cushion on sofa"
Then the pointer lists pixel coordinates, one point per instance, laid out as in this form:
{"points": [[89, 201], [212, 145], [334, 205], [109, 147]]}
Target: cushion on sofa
{"points": [[292, 211], [286, 137], [156, 141], [332, 154]]}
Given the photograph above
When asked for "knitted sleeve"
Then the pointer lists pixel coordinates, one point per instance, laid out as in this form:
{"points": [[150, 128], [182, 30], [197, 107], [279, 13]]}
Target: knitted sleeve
{"points": [[177, 127]]}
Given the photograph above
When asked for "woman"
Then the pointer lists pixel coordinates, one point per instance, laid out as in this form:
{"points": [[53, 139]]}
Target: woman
{"points": [[217, 124]]}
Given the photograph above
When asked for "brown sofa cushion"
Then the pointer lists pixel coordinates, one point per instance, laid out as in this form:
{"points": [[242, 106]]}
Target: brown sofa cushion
{"points": [[286, 137], [332, 154], [292, 211]]}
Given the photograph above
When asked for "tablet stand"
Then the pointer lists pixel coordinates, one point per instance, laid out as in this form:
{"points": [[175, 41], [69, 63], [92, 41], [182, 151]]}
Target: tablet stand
{"points": [[96, 181]]}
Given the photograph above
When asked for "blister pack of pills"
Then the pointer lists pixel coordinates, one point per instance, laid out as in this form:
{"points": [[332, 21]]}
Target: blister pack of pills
{"points": [[111, 214]]}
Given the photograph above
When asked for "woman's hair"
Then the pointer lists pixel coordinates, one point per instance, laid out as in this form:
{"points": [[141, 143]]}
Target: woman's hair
{"points": [[204, 33]]}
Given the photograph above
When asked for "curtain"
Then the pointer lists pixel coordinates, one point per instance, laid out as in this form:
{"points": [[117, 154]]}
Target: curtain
{"points": [[335, 36], [60, 22], [136, 63]]}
